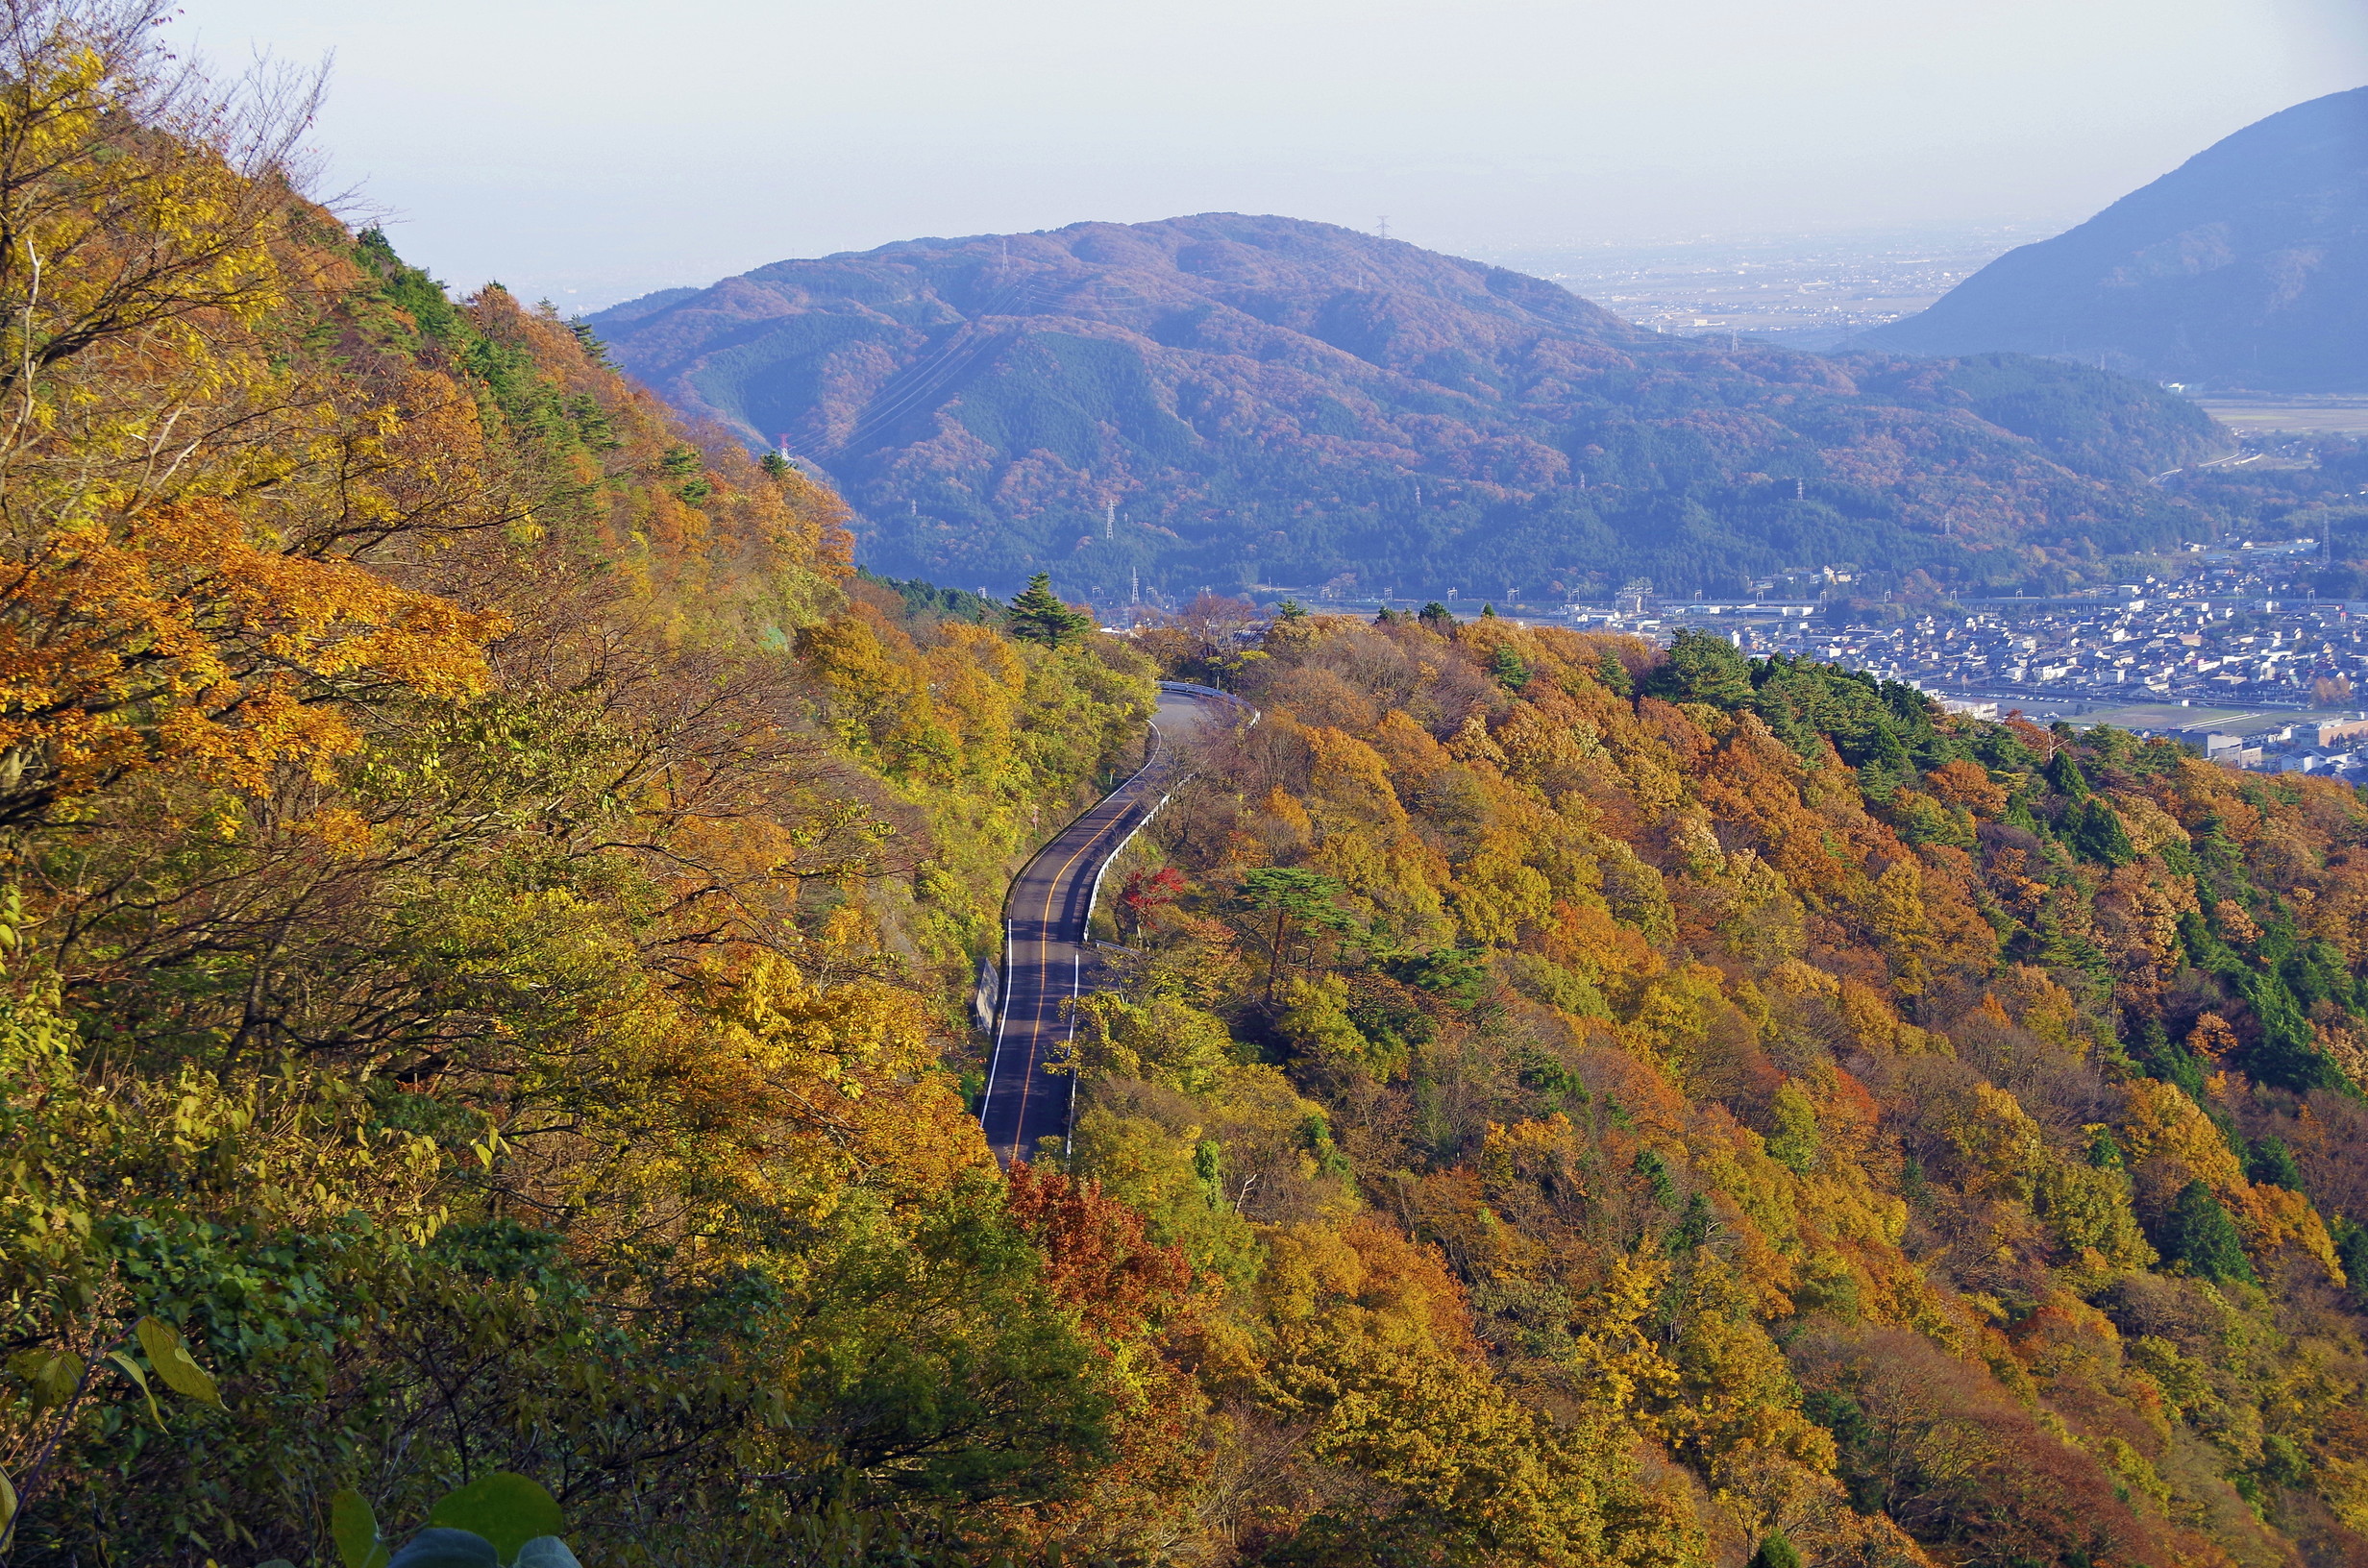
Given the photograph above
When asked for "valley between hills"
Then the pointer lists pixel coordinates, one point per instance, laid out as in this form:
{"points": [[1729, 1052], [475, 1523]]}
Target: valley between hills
{"points": [[514, 893]]}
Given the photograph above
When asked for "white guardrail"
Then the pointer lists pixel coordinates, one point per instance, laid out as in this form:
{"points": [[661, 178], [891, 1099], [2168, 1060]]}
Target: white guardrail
{"points": [[1190, 688], [1002, 999]]}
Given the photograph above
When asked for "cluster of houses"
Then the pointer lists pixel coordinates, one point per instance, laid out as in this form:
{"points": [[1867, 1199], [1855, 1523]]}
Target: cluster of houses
{"points": [[2234, 658], [2142, 648], [2236, 629]]}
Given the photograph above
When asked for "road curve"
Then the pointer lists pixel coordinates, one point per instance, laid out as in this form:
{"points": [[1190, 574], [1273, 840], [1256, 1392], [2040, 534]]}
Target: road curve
{"points": [[1046, 959]]}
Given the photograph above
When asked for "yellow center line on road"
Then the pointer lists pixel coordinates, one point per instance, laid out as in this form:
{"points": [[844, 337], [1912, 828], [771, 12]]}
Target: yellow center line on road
{"points": [[1044, 944], [1124, 805]]}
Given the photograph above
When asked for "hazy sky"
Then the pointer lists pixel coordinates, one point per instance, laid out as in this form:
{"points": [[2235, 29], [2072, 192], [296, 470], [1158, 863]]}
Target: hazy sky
{"points": [[598, 149]]}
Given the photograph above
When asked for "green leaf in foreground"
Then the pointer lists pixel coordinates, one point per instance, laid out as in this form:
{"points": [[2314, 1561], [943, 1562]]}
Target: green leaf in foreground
{"points": [[354, 1529], [505, 1507], [130, 1369], [53, 1375], [170, 1356]]}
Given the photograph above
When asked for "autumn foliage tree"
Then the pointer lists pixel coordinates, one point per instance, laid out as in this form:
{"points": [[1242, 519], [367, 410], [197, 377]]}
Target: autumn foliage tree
{"points": [[1829, 1094], [443, 876], [490, 900]]}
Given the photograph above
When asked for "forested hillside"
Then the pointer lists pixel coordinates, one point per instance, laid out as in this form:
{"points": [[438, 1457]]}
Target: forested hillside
{"points": [[486, 895], [2245, 266], [1918, 1140], [489, 911], [1224, 400]]}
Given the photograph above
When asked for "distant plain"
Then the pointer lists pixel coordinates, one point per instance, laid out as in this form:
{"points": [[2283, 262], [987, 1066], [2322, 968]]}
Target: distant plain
{"points": [[2293, 416], [1803, 291]]}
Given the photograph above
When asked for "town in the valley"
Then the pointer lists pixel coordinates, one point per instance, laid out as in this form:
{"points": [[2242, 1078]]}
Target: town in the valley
{"points": [[2236, 656], [2226, 647]]}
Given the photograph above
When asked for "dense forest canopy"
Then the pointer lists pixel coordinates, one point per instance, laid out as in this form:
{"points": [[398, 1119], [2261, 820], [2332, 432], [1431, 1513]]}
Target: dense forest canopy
{"points": [[1224, 401], [491, 902]]}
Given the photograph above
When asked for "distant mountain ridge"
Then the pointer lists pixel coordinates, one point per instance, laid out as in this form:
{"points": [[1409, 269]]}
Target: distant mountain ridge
{"points": [[2247, 266], [1226, 400]]}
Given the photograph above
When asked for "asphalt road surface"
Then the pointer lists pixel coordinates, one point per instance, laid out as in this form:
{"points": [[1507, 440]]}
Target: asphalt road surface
{"points": [[1046, 959]]}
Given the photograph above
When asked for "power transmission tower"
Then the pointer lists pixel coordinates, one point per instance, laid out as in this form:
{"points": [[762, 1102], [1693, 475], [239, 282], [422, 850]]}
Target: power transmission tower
{"points": [[1384, 221], [1110, 520]]}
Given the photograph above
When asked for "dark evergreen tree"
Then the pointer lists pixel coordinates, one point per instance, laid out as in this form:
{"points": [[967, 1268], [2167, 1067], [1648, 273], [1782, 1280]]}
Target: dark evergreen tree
{"points": [[2169, 1059], [1692, 1228], [2268, 1160], [1702, 669], [2064, 773], [1038, 615], [2094, 829], [2351, 1251], [2199, 1236]]}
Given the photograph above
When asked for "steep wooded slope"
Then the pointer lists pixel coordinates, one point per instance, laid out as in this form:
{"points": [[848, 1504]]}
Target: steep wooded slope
{"points": [[2245, 266], [486, 904], [1942, 1139], [1259, 399]]}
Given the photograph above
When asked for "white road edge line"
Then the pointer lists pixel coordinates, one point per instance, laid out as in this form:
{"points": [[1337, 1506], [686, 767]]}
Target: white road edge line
{"points": [[1002, 1001]]}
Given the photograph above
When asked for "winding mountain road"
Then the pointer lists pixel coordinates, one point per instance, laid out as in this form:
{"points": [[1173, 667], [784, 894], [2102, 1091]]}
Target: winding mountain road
{"points": [[1045, 957]]}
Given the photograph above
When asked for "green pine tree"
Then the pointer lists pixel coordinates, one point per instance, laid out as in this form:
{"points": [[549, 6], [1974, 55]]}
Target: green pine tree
{"points": [[2200, 1235], [1701, 668], [2269, 1159], [2351, 1251], [1509, 668], [1038, 615], [2096, 833], [2064, 773]]}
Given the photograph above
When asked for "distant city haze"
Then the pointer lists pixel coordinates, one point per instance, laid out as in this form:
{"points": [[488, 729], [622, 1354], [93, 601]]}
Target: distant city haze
{"points": [[594, 151]]}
